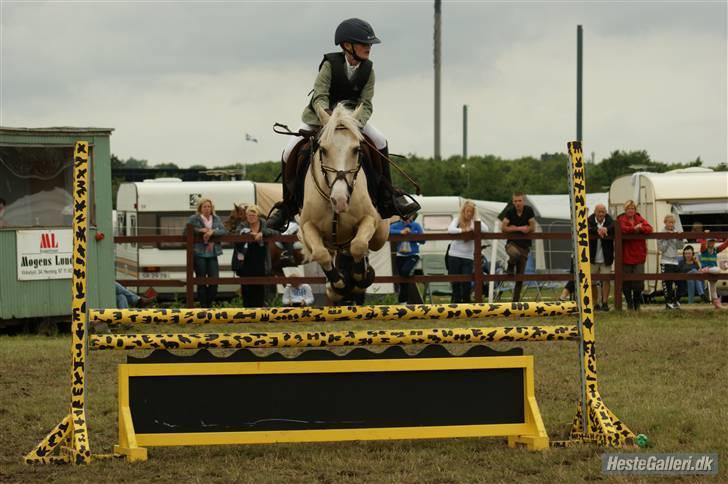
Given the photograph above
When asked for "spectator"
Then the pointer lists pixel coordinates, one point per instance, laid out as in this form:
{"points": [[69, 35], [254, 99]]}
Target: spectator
{"points": [[567, 293], [669, 249], [634, 252], [207, 223], [253, 258], [460, 254], [126, 299], [288, 253], [297, 294], [709, 261], [691, 265], [601, 253], [408, 252], [519, 218], [697, 227]]}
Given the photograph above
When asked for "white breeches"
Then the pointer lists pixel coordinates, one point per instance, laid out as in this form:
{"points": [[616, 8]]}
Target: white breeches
{"points": [[370, 131]]}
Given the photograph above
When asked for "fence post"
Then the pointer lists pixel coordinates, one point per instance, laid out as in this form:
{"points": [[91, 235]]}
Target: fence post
{"points": [[190, 283], [477, 262], [617, 266]]}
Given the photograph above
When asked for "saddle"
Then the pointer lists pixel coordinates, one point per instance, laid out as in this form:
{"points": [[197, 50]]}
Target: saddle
{"points": [[295, 169]]}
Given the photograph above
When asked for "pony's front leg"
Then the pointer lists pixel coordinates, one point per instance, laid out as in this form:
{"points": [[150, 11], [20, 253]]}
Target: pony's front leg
{"points": [[359, 245], [312, 238], [361, 272]]}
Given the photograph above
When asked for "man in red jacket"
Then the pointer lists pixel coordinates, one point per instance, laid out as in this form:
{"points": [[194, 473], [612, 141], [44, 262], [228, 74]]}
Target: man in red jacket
{"points": [[634, 252]]}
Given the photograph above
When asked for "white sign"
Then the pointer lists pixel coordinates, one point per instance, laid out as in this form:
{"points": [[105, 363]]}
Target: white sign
{"points": [[44, 254]]}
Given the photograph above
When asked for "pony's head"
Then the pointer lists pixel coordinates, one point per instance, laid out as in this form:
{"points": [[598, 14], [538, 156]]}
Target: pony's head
{"points": [[237, 214], [338, 154]]}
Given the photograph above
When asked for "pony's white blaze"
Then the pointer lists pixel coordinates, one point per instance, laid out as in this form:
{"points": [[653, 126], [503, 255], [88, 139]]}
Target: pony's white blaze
{"points": [[340, 197], [342, 158]]}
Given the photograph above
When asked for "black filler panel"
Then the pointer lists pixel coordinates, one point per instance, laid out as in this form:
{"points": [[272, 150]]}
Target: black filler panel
{"points": [[316, 401]]}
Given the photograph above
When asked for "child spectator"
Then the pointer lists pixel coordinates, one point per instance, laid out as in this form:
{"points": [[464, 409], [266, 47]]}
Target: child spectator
{"points": [[709, 261], [669, 249], [691, 265], [408, 252], [297, 294]]}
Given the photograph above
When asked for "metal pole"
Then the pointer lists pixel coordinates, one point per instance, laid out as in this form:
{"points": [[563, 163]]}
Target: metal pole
{"points": [[465, 131], [437, 78], [579, 78]]}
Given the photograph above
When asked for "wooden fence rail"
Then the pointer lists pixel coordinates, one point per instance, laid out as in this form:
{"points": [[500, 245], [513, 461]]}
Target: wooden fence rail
{"points": [[478, 277]]}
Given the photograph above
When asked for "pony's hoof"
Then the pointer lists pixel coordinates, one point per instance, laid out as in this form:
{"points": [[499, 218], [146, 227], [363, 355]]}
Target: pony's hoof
{"points": [[358, 249], [365, 281], [333, 295]]}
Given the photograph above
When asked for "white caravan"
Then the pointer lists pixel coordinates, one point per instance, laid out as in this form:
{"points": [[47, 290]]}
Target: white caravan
{"points": [[162, 207], [692, 195]]}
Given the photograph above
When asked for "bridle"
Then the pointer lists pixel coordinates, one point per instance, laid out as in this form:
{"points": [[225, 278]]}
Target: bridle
{"points": [[347, 176]]}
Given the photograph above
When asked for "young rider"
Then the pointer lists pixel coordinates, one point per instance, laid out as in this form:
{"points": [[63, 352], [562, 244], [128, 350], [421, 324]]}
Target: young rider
{"points": [[345, 76]]}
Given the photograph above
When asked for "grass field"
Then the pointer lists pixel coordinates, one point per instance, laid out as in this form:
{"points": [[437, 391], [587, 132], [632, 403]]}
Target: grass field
{"points": [[663, 373]]}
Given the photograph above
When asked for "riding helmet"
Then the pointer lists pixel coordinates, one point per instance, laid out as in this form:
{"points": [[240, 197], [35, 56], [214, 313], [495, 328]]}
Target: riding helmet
{"points": [[356, 31]]}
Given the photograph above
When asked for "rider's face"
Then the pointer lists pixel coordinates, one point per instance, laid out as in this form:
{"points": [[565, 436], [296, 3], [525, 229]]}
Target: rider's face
{"points": [[361, 50]]}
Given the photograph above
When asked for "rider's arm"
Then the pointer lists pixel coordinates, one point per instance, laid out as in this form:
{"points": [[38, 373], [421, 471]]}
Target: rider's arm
{"points": [[367, 94], [321, 88]]}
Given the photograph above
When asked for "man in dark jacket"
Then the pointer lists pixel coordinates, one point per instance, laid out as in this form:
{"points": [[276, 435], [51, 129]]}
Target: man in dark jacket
{"points": [[601, 252]]}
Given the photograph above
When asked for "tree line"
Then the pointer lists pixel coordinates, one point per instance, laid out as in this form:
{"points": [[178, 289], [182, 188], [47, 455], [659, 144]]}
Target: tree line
{"points": [[485, 177]]}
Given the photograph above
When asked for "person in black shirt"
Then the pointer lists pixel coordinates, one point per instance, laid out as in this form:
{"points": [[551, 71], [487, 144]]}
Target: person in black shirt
{"points": [[518, 218]]}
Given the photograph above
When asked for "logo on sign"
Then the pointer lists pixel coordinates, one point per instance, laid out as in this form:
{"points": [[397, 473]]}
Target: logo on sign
{"points": [[194, 199], [48, 242]]}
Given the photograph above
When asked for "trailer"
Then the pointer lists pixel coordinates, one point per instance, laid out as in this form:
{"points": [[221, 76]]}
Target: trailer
{"points": [[692, 195], [36, 166]]}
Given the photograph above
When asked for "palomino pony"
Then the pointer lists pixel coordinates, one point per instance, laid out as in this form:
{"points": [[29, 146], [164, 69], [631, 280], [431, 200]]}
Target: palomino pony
{"points": [[339, 223]]}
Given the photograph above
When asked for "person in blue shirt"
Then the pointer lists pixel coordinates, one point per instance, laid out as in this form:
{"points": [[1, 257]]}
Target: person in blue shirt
{"points": [[408, 252]]}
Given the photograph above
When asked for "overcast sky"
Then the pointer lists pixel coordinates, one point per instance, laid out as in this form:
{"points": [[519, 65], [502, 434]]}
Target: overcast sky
{"points": [[183, 82]]}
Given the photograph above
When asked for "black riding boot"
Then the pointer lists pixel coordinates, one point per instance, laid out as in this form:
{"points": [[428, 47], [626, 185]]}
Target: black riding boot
{"points": [[283, 211], [279, 217], [393, 201]]}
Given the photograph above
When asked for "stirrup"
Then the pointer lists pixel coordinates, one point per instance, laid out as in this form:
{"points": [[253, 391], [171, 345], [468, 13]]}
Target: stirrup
{"points": [[402, 206], [278, 217]]}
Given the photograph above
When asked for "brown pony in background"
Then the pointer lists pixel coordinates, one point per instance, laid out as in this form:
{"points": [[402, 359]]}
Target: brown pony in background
{"points": [[237, 214]]}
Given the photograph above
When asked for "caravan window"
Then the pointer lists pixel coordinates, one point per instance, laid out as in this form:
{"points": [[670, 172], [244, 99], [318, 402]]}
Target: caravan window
{"points": [[436, 223], [172, 224], [167, 223], [36, 183]]}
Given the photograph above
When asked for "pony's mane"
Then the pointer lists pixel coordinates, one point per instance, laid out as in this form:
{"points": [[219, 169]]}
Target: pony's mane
{"points": [[341, 117]]}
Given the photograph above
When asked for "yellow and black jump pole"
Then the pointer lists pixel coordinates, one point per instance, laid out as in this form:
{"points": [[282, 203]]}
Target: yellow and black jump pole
{"points": [[593, 422], [68, 441]]}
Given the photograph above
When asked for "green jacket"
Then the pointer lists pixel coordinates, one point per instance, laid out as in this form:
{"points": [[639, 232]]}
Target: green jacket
{"points": [[320, 97]]}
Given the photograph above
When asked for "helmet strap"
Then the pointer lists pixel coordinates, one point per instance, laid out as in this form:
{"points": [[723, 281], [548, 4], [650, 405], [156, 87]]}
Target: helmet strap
{"points": [[352, 52]]}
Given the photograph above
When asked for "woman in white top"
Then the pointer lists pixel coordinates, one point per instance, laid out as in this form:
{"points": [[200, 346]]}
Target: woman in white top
{"points": [[460, 253]]}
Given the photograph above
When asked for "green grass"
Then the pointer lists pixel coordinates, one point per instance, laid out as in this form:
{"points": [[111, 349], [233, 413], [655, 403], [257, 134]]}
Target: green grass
{"points": [[663, 373]]}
